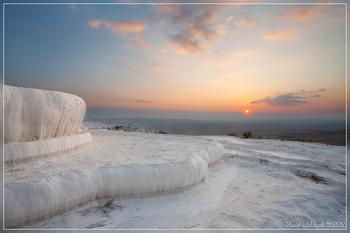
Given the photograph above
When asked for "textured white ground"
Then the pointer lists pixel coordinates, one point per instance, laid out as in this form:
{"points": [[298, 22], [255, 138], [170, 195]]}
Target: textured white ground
{"points": [[110, 147], [115, 163], [258, 184]]}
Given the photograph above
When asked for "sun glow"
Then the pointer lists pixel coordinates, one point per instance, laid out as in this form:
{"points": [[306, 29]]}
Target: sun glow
{"points": [[246, 111]]}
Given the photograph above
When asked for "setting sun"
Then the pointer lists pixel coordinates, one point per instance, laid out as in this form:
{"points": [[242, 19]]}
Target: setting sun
{"points": [[246, 111]]}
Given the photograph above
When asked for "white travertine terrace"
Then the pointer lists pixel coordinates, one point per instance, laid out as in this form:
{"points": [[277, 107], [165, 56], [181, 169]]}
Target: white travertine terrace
{"points": [[41, 122], [30, 149], [138, 164], [33, 114]]}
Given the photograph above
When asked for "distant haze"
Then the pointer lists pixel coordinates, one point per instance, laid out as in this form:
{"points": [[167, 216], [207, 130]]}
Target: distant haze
{"points": [[112, 113], [217, 123]]}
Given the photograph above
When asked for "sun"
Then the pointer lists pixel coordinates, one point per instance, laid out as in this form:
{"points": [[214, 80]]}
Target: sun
{"points": [[246, 111]]}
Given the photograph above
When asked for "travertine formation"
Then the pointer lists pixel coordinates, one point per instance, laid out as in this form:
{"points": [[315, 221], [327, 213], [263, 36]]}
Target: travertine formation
{"points": [[115, 164], [33, 114], [39, 123]]}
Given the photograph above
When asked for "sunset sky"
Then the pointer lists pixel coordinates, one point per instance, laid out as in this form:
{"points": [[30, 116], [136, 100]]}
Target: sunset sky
{"points": [[265, 58]]}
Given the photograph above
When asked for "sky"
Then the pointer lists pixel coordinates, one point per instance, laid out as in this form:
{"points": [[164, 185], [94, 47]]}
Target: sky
{"points": [[214, 58]]}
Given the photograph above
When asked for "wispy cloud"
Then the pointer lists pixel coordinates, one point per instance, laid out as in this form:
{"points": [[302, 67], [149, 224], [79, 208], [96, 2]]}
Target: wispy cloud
{"points": [[292, 98], [241, 22], [123, 28], [185, 43], [167, 9], [228, 59], [280, 35], [119, 27], [301, 13], [138, 39], [141, 101], [193, 26], [246, 23]]}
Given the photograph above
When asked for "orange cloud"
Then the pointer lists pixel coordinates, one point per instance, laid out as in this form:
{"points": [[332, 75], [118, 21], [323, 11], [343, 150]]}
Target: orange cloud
{"points": [[280, 35], [118, 27], [301, 13], [123, 28]]}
